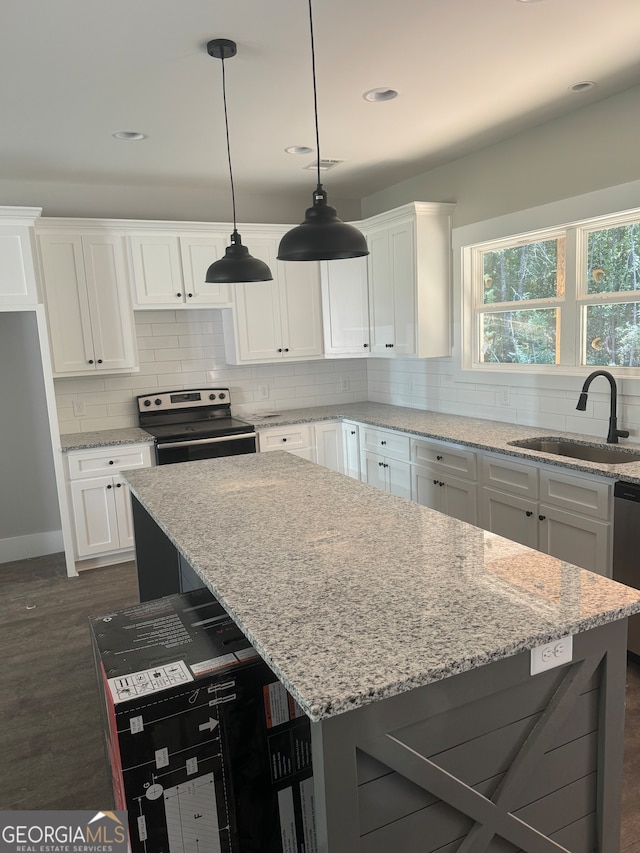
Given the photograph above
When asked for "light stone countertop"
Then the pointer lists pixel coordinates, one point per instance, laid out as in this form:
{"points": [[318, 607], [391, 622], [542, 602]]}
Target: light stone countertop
{"points": [[352, 595], [472, 432], [104, 438]]}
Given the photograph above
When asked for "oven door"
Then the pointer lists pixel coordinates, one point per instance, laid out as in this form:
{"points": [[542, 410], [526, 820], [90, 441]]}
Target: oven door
{"points": [[205, 448]]}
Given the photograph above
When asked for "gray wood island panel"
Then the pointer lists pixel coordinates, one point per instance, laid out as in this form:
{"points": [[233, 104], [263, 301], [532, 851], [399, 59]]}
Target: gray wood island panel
{"points": [[405, 635]]}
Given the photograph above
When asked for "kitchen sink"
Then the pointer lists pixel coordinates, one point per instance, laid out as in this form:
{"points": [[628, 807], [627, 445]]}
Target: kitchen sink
{"points": [[589, 452]]}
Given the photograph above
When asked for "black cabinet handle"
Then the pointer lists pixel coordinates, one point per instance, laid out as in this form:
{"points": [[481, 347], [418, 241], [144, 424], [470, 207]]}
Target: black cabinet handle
{"points": [[439, 458], [284, 439], [365, 345], [99, 361], [542, 517], [286, 349], [353, 432], [109, 486], [441, 483], [118, 485], [90, 361], [111, 462], [382, 442], [279, 349], [389, 346], [435, 482], [190, 295], [528, 513]]}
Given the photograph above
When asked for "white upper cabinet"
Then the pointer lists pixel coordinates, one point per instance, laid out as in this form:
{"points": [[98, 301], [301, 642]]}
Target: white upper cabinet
{"points": [[409, 280], [17, 275], [345, 307], [86, 283], [169, 269], [275, 320]]}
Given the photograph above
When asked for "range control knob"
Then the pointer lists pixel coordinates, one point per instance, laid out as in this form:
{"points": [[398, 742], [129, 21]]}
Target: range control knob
{"points": [[221, 396], [158, 401], [147, 402], [212, 396]]}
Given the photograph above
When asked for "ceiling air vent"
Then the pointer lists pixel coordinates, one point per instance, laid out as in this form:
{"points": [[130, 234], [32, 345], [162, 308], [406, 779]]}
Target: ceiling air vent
{"points": [[325, 165]]}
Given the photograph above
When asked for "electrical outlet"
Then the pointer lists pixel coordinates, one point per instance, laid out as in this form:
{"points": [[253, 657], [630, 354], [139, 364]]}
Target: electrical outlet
{"points": [[344, 383], [263, 392], [553, 654], [79, 409], [504, 396]]}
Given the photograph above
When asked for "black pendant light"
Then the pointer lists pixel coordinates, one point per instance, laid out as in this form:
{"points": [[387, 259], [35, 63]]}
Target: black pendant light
{"points": [[322, 236], [237, 265]]}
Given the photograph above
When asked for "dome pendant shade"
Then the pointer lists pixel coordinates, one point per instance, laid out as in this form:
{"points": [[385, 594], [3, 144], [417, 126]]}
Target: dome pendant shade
{"points": [[237, 266], [322, 236]]}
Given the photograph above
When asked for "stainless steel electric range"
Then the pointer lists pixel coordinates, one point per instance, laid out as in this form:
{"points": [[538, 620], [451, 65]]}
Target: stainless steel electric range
{"points": [[194, 424]]}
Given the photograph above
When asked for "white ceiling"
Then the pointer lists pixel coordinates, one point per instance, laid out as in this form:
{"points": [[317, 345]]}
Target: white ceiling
{"points": [[469, 73]]}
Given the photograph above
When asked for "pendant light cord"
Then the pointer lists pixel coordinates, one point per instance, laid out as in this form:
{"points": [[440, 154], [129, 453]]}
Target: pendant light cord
{"points": [[315, 94], [226, 124]]}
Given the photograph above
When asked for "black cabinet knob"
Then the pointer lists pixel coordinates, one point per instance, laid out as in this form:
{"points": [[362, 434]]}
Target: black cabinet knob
{"points": [[118, 485], [286, 349], [90, 361], [380, 464], [439, 458], [284, 439], [99, 361], [383, 442], [435, 482], [190, 295], [542, 517], [353, 432], [109, 486], [365, 345], [179, 295], [528, 513], [279, 349], [111, 462]]}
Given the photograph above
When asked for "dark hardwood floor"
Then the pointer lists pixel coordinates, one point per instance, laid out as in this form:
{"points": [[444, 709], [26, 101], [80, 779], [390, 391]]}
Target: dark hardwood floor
{"points": [[51, 742]]}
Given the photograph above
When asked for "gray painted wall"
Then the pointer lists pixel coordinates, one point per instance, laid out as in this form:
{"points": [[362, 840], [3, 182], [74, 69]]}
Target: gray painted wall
{"points": [[28, 498], [590, 149]]}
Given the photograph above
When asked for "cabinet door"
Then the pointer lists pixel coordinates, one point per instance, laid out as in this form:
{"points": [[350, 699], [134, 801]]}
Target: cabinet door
{"points": [[380, 293], [122, 496], [95, 516], [345, 307], [398, 478], [329, 445], [157, 270], [300, 309], [577, 539], [351, 450], [256, 333], [67, 303], [510, 516], [460, 499], [197, 254], [402, 255], [17, 277], [426, 489], [373, 471], [112, 324]]}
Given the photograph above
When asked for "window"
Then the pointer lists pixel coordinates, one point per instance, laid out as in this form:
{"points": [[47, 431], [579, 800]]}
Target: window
{"points": [[566, 297]]}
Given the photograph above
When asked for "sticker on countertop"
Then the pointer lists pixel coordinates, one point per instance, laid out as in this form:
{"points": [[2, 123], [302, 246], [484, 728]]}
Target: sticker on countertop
{"points": [[126, 687]]}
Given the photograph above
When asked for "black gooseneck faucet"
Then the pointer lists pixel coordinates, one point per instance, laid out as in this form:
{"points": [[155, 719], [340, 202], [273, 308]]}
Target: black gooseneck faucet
{"points": [[614, 432]]}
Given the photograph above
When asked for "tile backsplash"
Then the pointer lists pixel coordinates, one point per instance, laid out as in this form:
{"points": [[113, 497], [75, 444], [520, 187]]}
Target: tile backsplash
{"points": [[184, 349]]}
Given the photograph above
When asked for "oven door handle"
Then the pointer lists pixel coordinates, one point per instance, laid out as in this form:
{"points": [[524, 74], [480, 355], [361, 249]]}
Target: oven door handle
{"points": [[166, 445]]}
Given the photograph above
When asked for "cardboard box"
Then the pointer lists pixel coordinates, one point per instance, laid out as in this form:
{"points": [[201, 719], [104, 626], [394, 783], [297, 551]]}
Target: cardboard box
{"points": [[208, 751]]}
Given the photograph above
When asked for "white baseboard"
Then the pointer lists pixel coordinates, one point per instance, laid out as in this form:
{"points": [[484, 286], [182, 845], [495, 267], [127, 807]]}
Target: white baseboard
{"points": [[33, 545]]}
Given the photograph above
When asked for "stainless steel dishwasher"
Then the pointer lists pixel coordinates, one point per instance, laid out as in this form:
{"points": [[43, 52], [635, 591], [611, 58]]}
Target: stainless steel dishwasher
{"points": [[626, 547]]}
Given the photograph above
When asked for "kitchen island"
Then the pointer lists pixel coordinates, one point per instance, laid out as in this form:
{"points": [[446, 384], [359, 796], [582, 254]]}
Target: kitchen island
{"points": [[406, 637]]}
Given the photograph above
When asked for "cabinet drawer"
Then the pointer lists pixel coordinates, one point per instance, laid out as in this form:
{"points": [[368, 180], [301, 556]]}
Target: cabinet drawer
{"points": [[392, 445], [106, 460], [289, 438], [444, 457], [585, 495], [509, 475]]}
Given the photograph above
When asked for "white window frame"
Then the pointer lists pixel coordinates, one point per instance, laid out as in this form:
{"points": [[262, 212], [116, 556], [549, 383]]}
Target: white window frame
{"points": [[571, 305]]}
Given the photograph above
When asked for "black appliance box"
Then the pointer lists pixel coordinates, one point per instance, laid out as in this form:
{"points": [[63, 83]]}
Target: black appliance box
{"points": [[207, 750]]}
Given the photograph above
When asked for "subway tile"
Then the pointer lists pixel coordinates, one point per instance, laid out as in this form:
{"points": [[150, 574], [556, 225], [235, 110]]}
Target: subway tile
{"points": [[178, 353], [169, 381], [156, 316], [148, 383], [164, 342], [160, 367], [90, 424]]}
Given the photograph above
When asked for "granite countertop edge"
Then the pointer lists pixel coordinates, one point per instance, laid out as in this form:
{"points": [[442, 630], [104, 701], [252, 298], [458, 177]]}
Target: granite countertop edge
{"points": [[475, 433]]}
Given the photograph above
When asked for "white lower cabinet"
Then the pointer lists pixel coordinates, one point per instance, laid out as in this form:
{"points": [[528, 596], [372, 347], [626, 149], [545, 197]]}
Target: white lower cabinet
{"points": [[100, 499], [328, 443], [443, 477], [566, 515], [296, 439], [351, 449], [384, 460]]}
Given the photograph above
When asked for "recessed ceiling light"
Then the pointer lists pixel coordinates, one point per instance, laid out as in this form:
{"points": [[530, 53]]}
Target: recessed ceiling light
{"points": [[529, 1], [583, 86], [129, 135], [381, 94], [298, 149]]}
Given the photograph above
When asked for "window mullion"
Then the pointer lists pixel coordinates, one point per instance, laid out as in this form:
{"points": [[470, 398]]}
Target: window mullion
{"points": [[570, 331]]}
